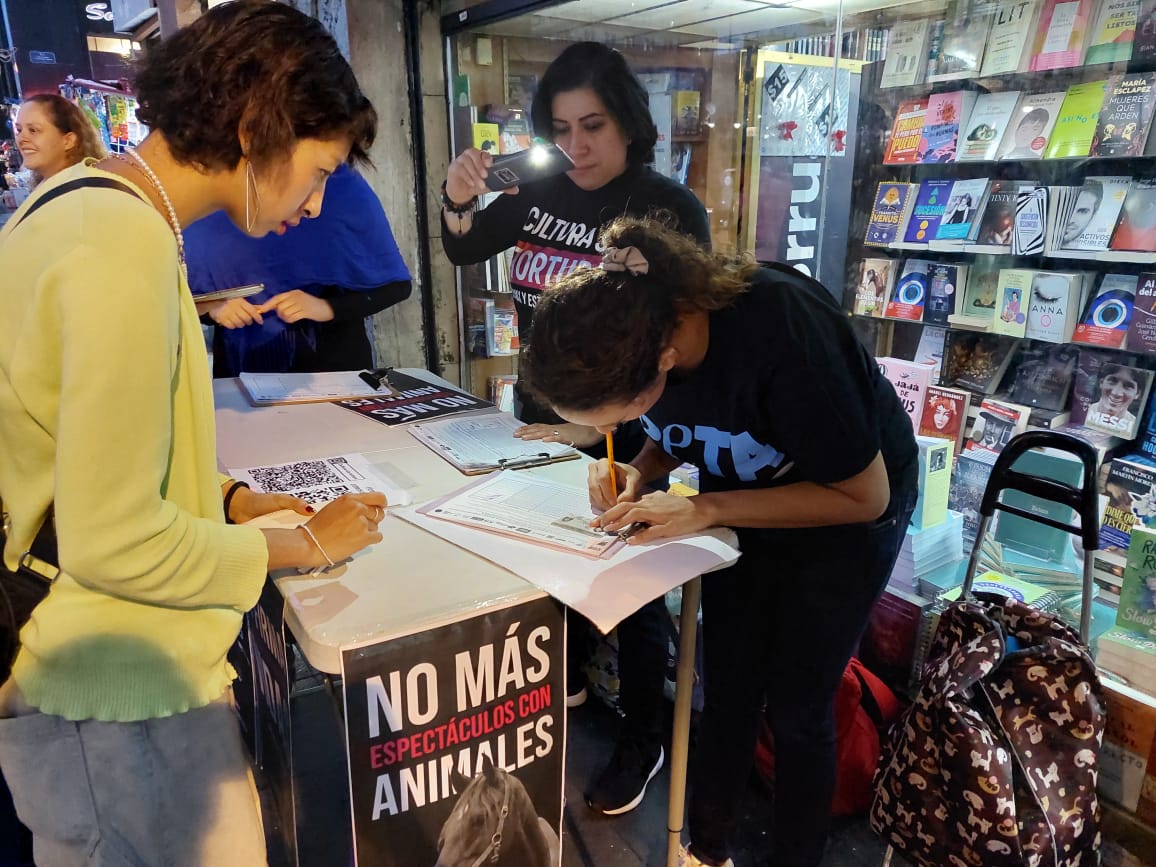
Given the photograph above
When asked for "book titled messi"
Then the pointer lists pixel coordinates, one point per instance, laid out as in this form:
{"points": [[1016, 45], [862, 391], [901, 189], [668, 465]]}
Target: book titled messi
{"points": [[892, 199]]}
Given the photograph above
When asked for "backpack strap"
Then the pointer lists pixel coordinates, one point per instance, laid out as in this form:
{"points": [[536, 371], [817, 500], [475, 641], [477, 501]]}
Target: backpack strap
{"points": [[43, 547], [68, 187]]}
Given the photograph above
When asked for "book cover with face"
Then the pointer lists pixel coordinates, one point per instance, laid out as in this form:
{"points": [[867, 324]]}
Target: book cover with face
{"points": [[1120, 395], [1031, 125], [1091, 220]]}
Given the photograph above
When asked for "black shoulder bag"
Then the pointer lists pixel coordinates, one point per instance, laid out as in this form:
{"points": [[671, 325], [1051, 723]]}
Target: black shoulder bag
{"points": [[21, 591]]}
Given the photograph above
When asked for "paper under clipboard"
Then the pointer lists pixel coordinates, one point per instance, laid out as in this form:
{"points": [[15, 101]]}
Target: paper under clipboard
{"points": [[535, 510], [485, 442], [271, 389]]}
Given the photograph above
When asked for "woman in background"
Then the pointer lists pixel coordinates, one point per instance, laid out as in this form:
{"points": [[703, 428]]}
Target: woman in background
{"points": [[322, 281], [52, 134], [594, 108]]}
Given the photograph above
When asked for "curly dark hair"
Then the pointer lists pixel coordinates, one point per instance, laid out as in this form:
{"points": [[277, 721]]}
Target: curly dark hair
{"points": [[605, 71], [597, 335], [254, 69]]}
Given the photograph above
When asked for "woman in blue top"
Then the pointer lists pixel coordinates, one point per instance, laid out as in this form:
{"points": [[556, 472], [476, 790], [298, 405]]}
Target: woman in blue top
{"points": [[322, 279]]}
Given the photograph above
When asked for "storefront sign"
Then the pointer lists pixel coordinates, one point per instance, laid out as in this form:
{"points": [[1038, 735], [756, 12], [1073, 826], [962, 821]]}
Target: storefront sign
{"points": [[456, 739], [98, 12], [42, 57]]}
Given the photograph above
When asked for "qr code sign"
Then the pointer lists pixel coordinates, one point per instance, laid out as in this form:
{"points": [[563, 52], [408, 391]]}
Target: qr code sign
{"points": [[324, 495], [292, 477]]}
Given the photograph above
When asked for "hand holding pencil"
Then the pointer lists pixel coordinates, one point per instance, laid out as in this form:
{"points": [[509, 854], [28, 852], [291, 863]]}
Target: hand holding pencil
{"points": [[610, 482]]}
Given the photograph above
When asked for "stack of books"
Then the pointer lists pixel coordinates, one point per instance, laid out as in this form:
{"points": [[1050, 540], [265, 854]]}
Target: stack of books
{"points": [[1128, 650], [925, 551]]}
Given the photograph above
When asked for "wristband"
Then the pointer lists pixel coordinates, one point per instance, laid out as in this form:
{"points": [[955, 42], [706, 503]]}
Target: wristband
{"points": [[453, 207], [233, 488], [324, 554]]}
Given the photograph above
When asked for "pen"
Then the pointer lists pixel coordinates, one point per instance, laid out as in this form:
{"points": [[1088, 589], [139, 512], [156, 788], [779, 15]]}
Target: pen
{"points": [[610, 461]]}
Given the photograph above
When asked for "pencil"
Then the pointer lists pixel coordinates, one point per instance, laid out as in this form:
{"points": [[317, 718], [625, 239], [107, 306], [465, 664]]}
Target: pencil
{"points": [[610, 461]]}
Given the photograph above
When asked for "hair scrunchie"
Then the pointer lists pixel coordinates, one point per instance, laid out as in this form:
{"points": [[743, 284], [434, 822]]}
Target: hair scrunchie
{"points": [[629, 259]]}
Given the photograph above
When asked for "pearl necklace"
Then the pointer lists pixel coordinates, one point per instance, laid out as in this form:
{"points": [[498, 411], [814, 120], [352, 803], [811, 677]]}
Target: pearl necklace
{"points": [[138, 160]]}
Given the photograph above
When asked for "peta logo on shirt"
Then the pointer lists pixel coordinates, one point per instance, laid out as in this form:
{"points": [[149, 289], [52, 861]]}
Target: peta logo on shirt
{"points": [[748, 456]]}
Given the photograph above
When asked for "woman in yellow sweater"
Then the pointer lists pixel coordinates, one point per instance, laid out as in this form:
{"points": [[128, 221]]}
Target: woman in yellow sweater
{"points": [[116, 734]]}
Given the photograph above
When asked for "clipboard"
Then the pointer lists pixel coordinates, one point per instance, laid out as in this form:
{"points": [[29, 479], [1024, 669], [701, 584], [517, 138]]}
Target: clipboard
{"points": [[274, 389], [483, 442]]}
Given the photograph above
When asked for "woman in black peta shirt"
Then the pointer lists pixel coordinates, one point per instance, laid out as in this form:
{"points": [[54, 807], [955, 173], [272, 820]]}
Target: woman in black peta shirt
{"points": [[592, 106], [756, 377]]}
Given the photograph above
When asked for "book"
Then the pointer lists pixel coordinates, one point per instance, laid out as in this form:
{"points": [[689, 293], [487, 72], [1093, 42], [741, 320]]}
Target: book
{"points": [[932, 342], [1131, 502], [927, 212], [1012, 297], [1010, 40], [906, 60], [966, 494], [1030, 225], [1031, 126], [1054, 306], [501, 391], [685, 111], [910, 379], [997, 221], [1004, 585], [1105, 319], [272, 389], [996, 423], [484, 442], [1126, 117], [963, 206], [1144, 42], [987, 125], [1033, 537], [906, 133], [1084, 390], [1076, 123], [977, 309], [1137, 609], [1122, 392], [960, 51], [935, 34], [892, 200], [977, 361], [1129, 729], [1136, 228], [945, 280], [486, 137], [1091, 221], [946, 112], [1044, 375], [1060, 36], [501, 327], [1110, 38], [935, 465], [910, 294], [890, 642], [1141, 336], [945, 414], [874, 288]]}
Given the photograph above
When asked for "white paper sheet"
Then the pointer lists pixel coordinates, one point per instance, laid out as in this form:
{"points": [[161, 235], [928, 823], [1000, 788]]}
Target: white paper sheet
{"points": [[605, 591], [320, 480]]}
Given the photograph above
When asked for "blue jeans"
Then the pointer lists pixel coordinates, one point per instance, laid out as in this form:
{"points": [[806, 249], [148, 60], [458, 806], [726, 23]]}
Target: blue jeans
{"points": [[171, 792], [781, 625]]}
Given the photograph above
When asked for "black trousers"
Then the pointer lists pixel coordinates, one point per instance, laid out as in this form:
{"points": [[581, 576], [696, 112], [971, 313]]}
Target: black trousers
{"points": [[780, 625]]}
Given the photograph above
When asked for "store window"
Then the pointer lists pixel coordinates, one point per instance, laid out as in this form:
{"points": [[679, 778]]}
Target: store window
{"points": [[756, 110]]}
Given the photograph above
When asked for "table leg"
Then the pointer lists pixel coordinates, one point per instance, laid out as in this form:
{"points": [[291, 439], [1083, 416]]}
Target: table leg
{"points": [[680, 738]]}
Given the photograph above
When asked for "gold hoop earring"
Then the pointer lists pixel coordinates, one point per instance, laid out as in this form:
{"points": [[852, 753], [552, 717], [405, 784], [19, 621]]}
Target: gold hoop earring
{"points": [[251, 181]]}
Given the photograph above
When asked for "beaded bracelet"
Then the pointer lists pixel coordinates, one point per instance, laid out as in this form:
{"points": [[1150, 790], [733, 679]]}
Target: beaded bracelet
{"points": [[233, 488], [453, 207]]}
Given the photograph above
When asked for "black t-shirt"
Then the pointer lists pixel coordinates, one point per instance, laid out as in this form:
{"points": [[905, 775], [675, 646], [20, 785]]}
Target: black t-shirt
{"points": [[554, 226], [786, 393]]}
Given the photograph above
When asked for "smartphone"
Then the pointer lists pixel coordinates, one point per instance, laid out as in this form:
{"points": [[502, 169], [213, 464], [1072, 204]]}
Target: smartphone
{"points": [[536, 162]]}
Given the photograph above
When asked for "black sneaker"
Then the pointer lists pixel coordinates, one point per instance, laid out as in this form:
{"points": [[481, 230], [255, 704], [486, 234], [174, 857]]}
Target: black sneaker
{"points": [[622, 783]]}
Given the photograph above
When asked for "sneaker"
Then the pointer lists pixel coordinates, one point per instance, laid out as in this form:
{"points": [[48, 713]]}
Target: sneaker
{"points": [[688, 859], [578, 697], [622, 783]]}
